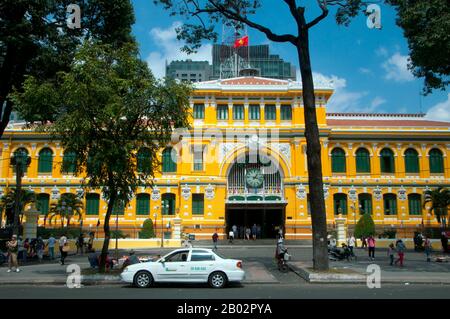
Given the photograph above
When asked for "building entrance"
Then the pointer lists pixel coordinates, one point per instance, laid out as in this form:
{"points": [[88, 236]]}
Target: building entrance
{"points": [[267, 219]]}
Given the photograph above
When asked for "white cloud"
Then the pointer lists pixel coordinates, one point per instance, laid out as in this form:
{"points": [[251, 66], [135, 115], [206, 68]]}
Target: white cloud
{"points": [[343, 100], [440, 111], [377, 101], [396, 68], [168, 49], [381, 51]]}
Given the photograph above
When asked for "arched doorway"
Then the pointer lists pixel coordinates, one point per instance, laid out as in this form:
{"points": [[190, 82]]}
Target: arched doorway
{"points": [[255, 196]]}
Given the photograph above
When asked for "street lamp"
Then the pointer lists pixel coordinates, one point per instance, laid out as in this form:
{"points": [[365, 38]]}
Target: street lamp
{"points": [[163, 207], [155, 215]]}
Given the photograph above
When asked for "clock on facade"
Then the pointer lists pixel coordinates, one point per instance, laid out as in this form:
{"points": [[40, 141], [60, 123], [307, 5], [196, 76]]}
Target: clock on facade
{"points": [[254, 178]]}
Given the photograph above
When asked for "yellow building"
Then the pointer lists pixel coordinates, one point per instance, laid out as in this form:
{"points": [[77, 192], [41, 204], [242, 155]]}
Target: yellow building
{"points": [[244, 163]]}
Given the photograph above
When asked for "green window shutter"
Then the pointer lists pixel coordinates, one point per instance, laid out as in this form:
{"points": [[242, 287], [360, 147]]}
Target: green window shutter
{"points": [[168, 165], [69, 160], [362, 161], [168, 202], [390, 204], [199, 111], [198, 160], [45, 162], [365, 202], [43, 203], [254, 112], [286, 113], [436, 161], [222, 112], [238, 112], [143, 204], [415, 204], [411, 161], [270, 112], [92, 204], [338, 161], [197, 204], [340, 202], [387, 161], [143, 160]]}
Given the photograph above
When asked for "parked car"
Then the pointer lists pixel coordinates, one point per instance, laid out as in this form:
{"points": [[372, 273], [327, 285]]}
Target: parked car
{"points": [[196, 265]]}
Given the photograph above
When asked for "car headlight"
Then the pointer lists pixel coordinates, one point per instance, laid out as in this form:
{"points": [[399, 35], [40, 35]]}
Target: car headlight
{"points": [[126, 269]]}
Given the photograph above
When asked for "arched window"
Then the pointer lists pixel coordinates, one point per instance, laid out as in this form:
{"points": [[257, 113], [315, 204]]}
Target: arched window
{"points": [[390, 204], [415, 204], [92, 204], [338, 160], [168, 204], [365, 203], [143, 160], [387, 161], [143, 204], [436, 161], [42, 203], [69, 161], [168, 164], [340, 204], [21, 154], [411, 161], [362, 161], [45, 162]]}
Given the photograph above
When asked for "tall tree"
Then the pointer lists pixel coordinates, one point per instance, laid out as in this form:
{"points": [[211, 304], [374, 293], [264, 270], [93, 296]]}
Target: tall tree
{"points": [[110, 106], [426, 26], [67, 207], [8, 203], [438, 202], [35, 40], [204, 15]]}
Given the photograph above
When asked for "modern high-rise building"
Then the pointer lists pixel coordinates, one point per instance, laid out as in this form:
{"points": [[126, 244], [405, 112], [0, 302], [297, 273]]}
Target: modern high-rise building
{"points": [[188, 70]]}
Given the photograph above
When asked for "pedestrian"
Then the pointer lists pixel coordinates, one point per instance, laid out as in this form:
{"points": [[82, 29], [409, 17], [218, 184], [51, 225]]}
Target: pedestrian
{"points": [[90, 242], [80, 243], [215, 237], [254, 231], [22, 252], [351, 243], [235, 232], [371, 244], [363, 242], [241, 232], [231, 236], [33, 247], [444, 242], [247, 233], [40, 248], [280, 232], [428, 248], [51, 247], [400, 247], [13, 249], [63, 248], [391, 252], [258, 231]]}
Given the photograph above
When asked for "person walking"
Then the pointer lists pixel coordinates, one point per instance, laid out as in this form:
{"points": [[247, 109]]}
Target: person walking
{"points": [[215, 238], [90, 241], [444, 242], [235, 231], [351, 243], [62, 248], [247, 233], [51, 247], [391, 252], [371, 245], [400, 247], [230, 236], [40, 248], [80, 243], [363, 242], [254, 231], [428, 248], [258, 231], [13, 249]]}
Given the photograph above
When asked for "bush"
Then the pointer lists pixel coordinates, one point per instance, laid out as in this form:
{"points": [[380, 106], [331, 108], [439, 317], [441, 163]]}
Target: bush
{"points": [[147, 230], [70, 232], [365, 226], [118, 234]]}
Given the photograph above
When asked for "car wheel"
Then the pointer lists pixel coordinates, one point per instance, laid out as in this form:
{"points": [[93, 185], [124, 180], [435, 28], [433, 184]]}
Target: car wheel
{"points": [[143, 279], [217, 279]]}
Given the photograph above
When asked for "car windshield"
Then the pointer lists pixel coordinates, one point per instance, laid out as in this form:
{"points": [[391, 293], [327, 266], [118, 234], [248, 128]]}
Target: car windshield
{"points": [[219, 255]]}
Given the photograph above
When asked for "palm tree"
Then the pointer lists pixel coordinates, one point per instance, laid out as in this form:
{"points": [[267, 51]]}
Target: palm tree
{"points": [[67, 207], [8, 203], [438, 201]]}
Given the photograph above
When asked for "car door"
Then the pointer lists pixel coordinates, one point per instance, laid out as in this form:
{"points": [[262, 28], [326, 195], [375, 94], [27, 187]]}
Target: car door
{"points": [[174, 268], [201, 264]]}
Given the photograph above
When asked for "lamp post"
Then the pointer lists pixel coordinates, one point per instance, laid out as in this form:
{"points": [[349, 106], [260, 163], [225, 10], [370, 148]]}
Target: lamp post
{"points": [[155, 217], [163, 206], [117, 235]]}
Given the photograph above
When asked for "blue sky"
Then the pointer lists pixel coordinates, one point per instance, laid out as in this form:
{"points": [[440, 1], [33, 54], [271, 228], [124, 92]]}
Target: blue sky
{"points": [[367, 66]]}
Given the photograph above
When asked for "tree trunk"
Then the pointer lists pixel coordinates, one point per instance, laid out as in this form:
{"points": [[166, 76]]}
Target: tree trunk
{"points": [[105, 247], [313, 151]]}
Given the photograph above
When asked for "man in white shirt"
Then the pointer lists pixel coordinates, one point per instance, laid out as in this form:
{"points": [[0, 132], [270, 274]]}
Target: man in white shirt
{"points": [[351, 243]]}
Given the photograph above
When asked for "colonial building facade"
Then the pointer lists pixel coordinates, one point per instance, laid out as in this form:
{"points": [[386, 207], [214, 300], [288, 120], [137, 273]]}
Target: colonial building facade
{"points": [[243, 162]]}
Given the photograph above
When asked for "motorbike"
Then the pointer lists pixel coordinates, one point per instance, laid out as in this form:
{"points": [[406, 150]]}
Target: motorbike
{"points": [[282, 260], [336, 254]]}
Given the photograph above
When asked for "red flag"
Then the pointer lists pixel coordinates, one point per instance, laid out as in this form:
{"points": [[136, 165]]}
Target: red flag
{"points": [[242, 42]]}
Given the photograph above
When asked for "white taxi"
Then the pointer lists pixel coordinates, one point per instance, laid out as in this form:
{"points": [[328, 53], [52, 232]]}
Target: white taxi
{"points": [[196, 265]]}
